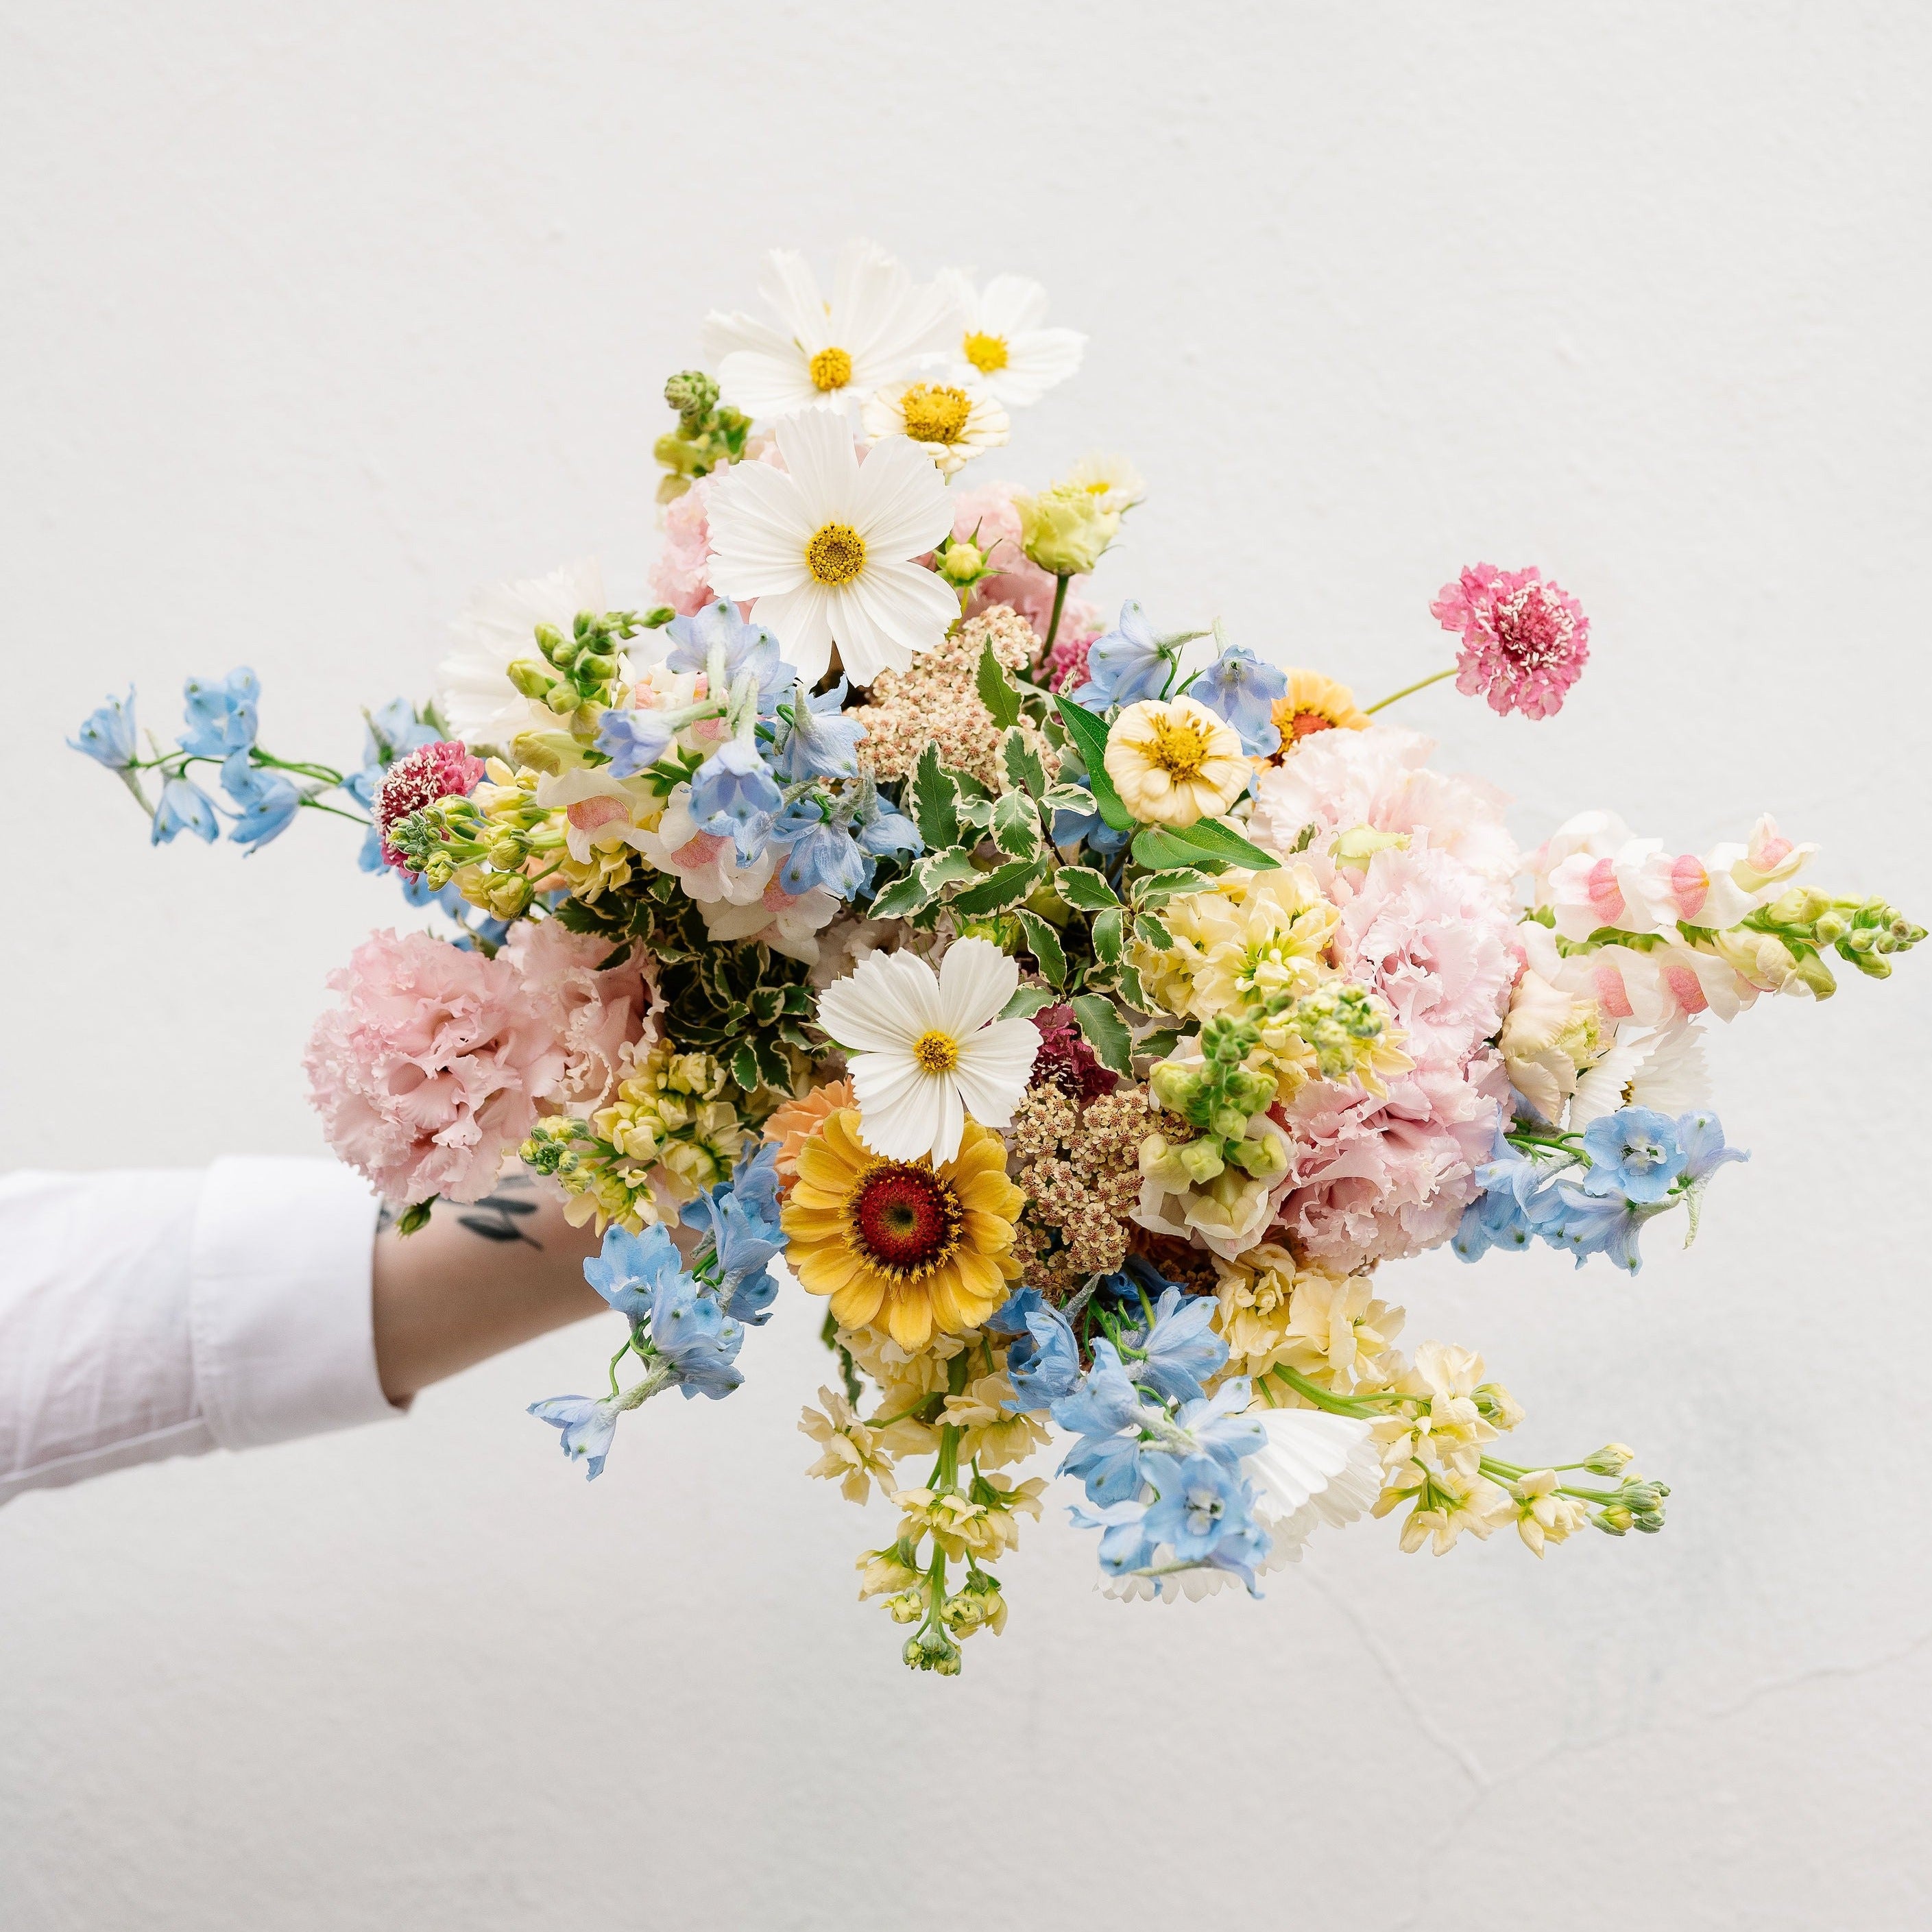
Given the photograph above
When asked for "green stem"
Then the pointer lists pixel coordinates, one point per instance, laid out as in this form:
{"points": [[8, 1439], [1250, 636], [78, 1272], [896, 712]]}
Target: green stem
{"points": [[1053, 623], [334, 812], [1421, 684], [1363, 1408]]}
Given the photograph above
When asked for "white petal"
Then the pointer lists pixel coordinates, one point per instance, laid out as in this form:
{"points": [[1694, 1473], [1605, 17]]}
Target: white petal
{"points": [[865, 648], [789, 285], [902, 508], [991, 1103], [854, 1012], [818, 449], [726, 333], [1036, 362], [976, 979], [914, 986], [952, 1126], [906, 610], [758, 532], [762, 385], [1010, 304], [800, 619]]}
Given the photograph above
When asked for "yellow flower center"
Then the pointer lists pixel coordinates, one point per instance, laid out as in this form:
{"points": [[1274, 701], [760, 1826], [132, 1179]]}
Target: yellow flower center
{"points": [[836, 554], [936, 1052], [831, 369], [987, 353], [934, 413], [1179, 749]]}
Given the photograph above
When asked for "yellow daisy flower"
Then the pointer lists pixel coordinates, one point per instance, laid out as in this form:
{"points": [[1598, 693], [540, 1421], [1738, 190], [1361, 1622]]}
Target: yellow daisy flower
{"points": [[1175, 762], [914, 1248], [1312, 703]]}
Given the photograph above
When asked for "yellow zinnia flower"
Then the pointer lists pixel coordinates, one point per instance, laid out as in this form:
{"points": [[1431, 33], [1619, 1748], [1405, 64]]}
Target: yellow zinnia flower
{"points": [[913, 1248], [1174, 762], [1312, 703]]}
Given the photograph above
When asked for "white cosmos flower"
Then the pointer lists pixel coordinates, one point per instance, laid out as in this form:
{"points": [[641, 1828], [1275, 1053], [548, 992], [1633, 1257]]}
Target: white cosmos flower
{"points": [[925, 1048], [1113, 479], [825, 546], [477, 702], [878, 327], [1316, 1468], [951, 422], [1664, 1070], [1001, 338]]}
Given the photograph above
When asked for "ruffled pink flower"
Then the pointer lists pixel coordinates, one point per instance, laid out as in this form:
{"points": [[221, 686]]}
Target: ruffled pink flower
{"points": [[1066, 663], [1524, 642], [1376, 1180], [1339, 780], [592, 1010], [427, 1076], [986, 517], [1435, 939], [678, 574], [444, 770]]}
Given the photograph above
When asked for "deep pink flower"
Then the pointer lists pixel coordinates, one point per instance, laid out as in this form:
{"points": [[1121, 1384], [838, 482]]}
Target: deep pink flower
{"points": [[1524, 642], [1066, 1060], [1066, 663], [444, 769]]}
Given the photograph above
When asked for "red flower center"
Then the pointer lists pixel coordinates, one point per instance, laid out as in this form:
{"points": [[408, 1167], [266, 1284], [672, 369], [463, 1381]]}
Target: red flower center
{"points": [[905, 1218], [1532, 627]]}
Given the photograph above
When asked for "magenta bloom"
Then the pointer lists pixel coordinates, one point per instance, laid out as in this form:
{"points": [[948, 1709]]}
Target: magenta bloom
{"points": [[444, 769], [1524, 642]]}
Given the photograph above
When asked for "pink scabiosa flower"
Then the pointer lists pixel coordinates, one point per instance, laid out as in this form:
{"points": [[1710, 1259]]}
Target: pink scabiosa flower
{"points": [[444, 770], [427, 1076], [1524, 642], [1066, 663]]}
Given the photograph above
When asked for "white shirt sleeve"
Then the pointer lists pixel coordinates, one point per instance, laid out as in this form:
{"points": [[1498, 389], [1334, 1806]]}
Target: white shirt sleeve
{"points": [[153, 1312]]}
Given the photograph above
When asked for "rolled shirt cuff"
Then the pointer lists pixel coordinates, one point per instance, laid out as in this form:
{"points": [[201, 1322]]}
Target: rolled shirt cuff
{"points": [[280, 1311]]}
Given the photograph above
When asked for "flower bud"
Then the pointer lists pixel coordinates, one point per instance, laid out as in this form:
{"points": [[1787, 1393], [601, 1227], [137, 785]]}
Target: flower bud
{"points": [[1175, 1087], [1799, 907], [962, 564], [553, 645], [1065, 530], [1615, 1518], [1612, 1459], [599, 667], [510, 895], [1358, 845], [508, 853], [551, 752], [1202, 1160], [1812, 974], [564, 699], [531, 677]]}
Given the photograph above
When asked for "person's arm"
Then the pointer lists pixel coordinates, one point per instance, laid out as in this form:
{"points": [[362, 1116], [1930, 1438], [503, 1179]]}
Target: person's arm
{"points": [[150, 1313]]}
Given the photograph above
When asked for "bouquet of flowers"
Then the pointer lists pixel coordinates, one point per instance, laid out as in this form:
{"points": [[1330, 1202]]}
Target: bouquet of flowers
{"points": [[1087, 1013]]}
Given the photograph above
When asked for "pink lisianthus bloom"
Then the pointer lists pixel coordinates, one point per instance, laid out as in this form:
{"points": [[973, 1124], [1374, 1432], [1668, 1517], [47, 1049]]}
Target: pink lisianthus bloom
{"points": [[986, 517], [1436, 940], [1378, 1180], [678, 574], [444, 770], [592, 1010], [1338, 781], [1524, 642], [427, 1076]]}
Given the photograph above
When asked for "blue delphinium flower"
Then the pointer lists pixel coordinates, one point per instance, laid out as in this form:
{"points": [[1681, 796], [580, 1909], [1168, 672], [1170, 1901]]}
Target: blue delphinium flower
{"points": [[733, 795], [1634, 1153], [1181, 1347], [1099, 1407], [106, 735], [184, 807], [1088, 829], [268, 800], [880, 828], [1701, 1135], [818, 741], [220, 717], [697, 1337], [1043, 1363], [633, 741], [820, 850], [1222, 1424], [1127, 664], [588, 1425], [629, 1269], [746, 646], [1587, 1224], [1200, 1501], [741, 1216], [1240, 687]]}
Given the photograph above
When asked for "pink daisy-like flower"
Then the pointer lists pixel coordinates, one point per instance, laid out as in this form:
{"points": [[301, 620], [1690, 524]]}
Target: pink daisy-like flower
{"points": [[444, 769], [1524, 642]]}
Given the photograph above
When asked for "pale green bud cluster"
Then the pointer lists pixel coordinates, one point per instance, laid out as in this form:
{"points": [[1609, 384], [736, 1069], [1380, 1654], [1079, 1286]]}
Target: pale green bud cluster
{"points": [[1787, 937], [576, 676], [1219, 1094], [707, 434], [1337, 1022], [1637, 1505]]}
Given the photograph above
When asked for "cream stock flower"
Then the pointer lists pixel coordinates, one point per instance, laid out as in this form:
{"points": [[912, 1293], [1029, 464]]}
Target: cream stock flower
{"points": [[1175, 762], [1542, 1516], [852, 1457]]}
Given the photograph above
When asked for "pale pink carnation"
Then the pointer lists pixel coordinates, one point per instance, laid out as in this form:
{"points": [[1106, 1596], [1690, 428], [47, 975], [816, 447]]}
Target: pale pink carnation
{"points": [[592, 1010], [1373, 1180], [988, 510], [427, 1076], [678, 574], [1339, 780], [1436, 940], [1524, 642]]}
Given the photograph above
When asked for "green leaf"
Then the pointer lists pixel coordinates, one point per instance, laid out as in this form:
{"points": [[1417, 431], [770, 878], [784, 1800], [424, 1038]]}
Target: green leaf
{"points": [[1100, 1025], [772, 1064], [1043, 943], [1080, 885], [765, 1002], [1090, 734], [1107, 935], [1026, 1001], [996, 690], [1152, 932], [937, 870], [1016, 824], [1136, 995], [1157, 889], [1022, 763], [1159, 849], [1068, 798], [1209, 835], [976, 814], [1160, 1043], [744, 1067], [998, 890], [935, 801], [901, 899]]}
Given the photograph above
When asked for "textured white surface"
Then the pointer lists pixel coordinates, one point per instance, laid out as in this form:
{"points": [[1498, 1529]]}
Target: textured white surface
{"points": [[314, 319]]}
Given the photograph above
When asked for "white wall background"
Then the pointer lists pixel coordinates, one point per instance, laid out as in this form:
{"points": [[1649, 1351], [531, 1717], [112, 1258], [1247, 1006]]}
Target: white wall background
{"points": [[316, 317]]}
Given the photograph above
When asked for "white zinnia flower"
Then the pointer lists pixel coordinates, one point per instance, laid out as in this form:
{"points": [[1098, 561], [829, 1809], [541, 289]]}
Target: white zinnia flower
{"points": [[1002, 341], [474, 695], [925, 1048], [877, 328], [951, 424], [825, 546], [1316, 1468], [1664, 1070]]}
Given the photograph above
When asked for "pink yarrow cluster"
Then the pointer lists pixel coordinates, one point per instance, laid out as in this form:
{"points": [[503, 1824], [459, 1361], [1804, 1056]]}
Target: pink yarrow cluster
{"points": [[1524, 642], [444, 769]]}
